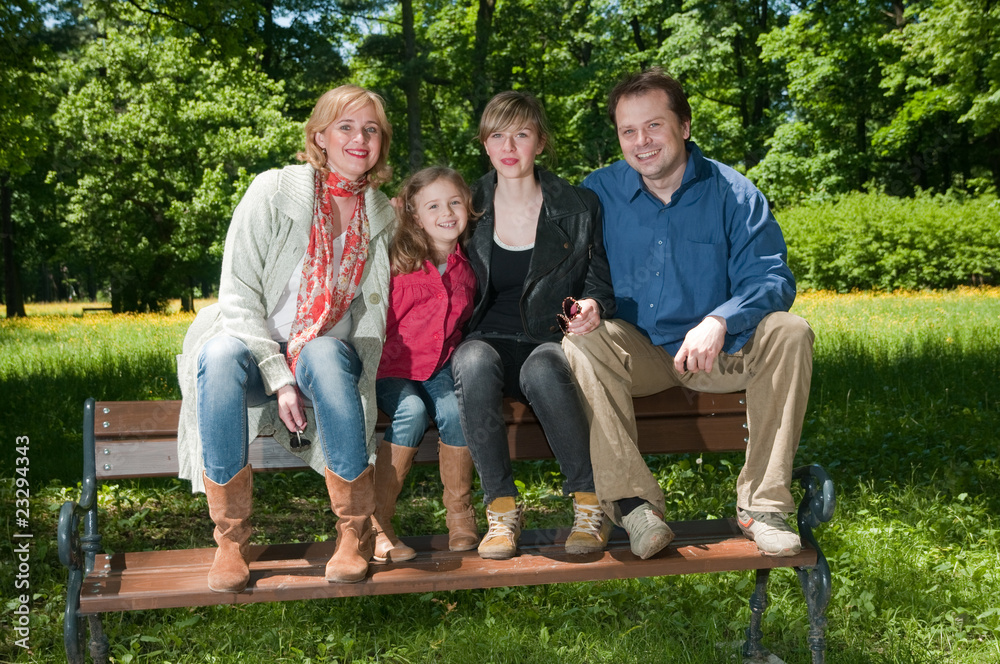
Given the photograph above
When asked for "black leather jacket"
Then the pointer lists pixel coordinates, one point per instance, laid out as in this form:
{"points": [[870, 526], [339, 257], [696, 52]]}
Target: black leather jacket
{"points": [[568, 258]]}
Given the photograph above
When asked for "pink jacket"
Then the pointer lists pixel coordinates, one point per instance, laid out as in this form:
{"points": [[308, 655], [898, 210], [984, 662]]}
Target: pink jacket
{"points": [[427, 311]]}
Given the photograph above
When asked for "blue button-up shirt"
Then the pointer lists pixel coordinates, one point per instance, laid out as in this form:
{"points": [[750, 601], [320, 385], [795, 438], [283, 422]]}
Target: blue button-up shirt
{"points": [[714, 250]]}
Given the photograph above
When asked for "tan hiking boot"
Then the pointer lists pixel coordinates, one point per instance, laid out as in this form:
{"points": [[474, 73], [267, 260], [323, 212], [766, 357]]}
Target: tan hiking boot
{"points": [[506, 520], [591, 528]]}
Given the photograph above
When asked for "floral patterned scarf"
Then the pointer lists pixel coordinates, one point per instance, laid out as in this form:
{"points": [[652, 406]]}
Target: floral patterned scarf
{"points": [[327, 289]]}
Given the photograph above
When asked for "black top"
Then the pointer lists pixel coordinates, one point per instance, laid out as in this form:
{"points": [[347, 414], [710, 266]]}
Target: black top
{"points": [[508, 272]]}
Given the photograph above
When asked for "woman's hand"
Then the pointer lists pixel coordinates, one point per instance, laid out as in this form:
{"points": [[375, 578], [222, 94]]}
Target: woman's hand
{"points": [[290, 408], [397, 205], [587, 320]]}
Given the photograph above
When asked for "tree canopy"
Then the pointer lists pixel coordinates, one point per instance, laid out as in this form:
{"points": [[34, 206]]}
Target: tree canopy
{"points": [[130, 128]]}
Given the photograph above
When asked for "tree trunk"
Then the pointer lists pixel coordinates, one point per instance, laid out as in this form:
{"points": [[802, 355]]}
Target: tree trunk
{"points": [[993, 140], [640, 45], [268, 37], [91, 283], [480, 93], [12, 280], [187, 297], [755, 95], [412, 77]]}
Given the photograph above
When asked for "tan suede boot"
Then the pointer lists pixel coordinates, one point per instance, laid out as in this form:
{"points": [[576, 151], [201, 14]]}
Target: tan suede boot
{"points": [[455, 464], [392, 464], [353, 503], [230, 506]]}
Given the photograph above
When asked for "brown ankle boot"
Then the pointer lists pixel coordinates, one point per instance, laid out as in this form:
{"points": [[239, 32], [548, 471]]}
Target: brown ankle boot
{"points": [[392, 463], [353, 503], [230, 506], [455, 464]]}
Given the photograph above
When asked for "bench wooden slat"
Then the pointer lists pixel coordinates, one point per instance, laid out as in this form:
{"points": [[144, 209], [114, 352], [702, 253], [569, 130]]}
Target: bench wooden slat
{"points": [[158, 419], [138, 438], [166, 579], [157, 457]]}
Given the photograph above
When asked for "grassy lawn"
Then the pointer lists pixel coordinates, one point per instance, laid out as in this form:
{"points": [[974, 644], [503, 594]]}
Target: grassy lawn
{"points": [[903, 414]]}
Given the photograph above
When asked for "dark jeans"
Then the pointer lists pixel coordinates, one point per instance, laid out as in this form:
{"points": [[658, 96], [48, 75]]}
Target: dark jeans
{"points": [[489, 367]]}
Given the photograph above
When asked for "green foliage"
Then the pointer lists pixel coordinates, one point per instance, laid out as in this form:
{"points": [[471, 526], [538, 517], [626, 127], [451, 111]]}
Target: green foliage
{"points": [[714, 49], [22, 98], [875, 241], [946, 130], [156, 148], [832, 54], [944, 56], [811, 99]]}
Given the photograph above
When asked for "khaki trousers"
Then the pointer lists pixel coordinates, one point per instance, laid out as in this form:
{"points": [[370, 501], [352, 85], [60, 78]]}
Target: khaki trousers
{"points": [[616, 362]]}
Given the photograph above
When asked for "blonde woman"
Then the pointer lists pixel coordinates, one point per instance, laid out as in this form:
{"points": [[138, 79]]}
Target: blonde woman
{"points": [[300, 321]]}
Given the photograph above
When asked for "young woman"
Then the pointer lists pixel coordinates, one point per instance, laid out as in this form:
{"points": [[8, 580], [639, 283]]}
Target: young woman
{"points": [[301, 316], [538, 242], [432, 289]]}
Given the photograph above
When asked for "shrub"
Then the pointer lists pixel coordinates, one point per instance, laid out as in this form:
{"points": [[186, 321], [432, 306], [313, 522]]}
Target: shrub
{"points": [[878, 242]]}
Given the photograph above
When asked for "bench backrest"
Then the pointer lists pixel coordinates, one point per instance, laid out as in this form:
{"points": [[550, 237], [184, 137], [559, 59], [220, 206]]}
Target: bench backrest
{"points": [[139, 438]]}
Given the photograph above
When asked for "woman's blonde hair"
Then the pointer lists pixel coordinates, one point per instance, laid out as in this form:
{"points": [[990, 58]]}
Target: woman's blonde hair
{"points": [[410, 246], [332, 105], [514, 110]]}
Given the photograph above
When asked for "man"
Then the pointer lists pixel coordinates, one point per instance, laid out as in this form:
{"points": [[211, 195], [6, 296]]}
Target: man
{"points": [[703, 291]]}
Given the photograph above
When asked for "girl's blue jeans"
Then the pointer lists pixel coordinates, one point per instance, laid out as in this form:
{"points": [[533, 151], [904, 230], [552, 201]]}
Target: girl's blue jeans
{"points": [[412, 403], [229, 382]]}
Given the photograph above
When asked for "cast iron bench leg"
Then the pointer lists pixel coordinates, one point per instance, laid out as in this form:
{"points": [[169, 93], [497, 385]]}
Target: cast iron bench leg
{"points": [[758, 604], [98, 641], [72, 624], [816, 588], [816, 507]]}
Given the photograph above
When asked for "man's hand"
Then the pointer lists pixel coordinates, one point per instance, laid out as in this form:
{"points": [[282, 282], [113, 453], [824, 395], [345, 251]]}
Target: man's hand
{"points": [[290, 408], [587, 320], [701, 346]]}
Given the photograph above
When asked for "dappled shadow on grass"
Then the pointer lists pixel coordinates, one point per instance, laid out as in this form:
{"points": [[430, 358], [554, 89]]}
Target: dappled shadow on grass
{"points": [[47, 406], [926, 416]]}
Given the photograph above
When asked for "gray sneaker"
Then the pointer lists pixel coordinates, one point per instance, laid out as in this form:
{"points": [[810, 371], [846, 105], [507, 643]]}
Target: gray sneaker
{"points": [[773, 535], [647, 533]]}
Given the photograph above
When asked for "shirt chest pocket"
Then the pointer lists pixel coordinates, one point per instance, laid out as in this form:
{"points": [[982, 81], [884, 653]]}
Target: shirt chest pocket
{"points": [[702, 231]]}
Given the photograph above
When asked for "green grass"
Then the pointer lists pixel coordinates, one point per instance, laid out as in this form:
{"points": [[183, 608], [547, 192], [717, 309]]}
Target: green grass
{"points": [[903, 413]]}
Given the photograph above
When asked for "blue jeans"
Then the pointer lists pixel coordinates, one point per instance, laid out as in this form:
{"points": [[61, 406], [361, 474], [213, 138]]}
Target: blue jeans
{"points": [[487, 368], [229, 382], [411, 403]]}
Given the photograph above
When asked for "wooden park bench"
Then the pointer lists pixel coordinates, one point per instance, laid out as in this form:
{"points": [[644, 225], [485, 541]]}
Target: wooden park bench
{"points": [[139, 439]]}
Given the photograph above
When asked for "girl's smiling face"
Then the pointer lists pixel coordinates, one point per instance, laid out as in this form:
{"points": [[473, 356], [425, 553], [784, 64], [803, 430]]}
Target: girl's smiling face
{"points": [[439, 209]]}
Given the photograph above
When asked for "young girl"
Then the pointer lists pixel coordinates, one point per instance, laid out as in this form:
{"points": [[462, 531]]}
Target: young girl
{"points": [[431, 288]]}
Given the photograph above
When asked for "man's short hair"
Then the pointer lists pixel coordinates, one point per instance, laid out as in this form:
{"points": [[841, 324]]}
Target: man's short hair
{"points": [[650, 80]]}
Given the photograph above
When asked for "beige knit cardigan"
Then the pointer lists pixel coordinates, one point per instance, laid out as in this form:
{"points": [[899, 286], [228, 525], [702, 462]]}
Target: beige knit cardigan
{"points": [[267, 238]]}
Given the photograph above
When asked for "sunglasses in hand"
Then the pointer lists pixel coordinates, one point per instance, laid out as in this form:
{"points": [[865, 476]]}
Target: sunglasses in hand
{"points": [[570, 310]]}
